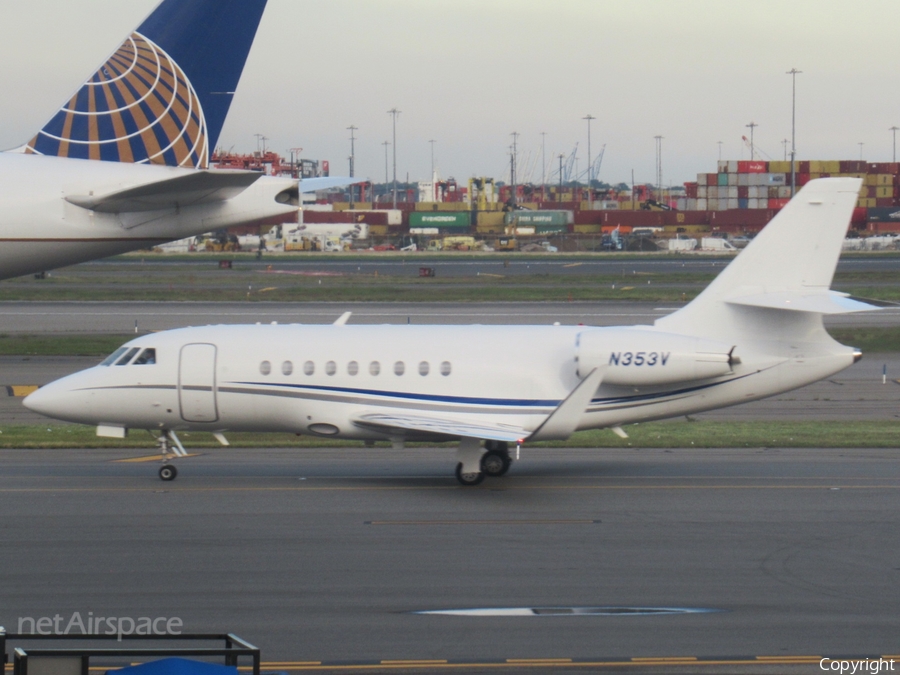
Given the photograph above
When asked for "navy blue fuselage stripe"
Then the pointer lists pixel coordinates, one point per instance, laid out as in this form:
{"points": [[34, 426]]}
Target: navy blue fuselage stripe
{"points": [[416, 397], [531, 403]]}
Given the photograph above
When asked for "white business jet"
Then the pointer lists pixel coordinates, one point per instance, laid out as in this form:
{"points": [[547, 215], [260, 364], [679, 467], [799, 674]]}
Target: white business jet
{"points": [[755, 331], [123, 165]]}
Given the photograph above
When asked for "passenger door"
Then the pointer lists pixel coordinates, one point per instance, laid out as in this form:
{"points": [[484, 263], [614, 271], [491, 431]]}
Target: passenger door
{"points": [[197, 383]]}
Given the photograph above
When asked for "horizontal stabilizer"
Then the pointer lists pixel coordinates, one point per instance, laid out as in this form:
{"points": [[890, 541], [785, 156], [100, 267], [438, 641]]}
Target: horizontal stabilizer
{"points": [[188, 189], [326, 183], [442, 427], [829, 302]]}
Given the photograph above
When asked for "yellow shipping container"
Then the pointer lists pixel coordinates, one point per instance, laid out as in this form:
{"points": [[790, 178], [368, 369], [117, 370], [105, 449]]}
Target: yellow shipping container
{"points": [[490, 229], [378, 230], [831, 167], [426, 206], [864, 192], [626, 206], [885, 179], [883, 192], [872, 179], [341, 206], [779, 167], [813, 176], [453, 206], [489, 218], [815, 166], [587, 229]]}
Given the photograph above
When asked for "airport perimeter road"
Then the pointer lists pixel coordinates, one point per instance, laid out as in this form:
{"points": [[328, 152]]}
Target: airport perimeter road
{"points": [[120, 317], [326, 555]]}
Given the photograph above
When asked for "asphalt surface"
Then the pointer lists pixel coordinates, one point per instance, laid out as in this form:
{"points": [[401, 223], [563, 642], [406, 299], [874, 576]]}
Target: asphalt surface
{"points": [[120, 317], [324, 555]]}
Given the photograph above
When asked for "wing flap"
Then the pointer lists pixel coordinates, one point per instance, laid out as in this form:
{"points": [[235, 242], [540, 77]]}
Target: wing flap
{"points": [[441, 427], [189, 189]]}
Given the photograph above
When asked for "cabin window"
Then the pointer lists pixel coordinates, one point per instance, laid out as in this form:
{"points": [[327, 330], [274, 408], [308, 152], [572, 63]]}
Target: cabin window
{"points": [[399, 368], [330, 368], [265, 367], [352, 368], [146, 358], [424, 368], [446, 368], [309, 368], [111, 359], [287, 367], [374, 368], [128, 356]]}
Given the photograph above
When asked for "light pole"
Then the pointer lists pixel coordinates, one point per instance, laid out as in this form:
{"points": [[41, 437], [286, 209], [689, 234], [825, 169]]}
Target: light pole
{"points": [[561, 158], [893, 130], [352, 128], [793, 72], [860, 150], [543, 163], [512, 170], [752, 126], [784, 146], [588, 118], [393, 112], [386, 144], [432, 141], [659, 166]]}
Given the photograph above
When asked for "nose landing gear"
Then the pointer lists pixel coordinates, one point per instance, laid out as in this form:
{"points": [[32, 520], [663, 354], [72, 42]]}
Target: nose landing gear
{"points": [[169, 443]]}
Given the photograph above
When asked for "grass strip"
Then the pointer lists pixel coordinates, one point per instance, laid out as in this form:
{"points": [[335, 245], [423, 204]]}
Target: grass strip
{"points": [[680, 433]]}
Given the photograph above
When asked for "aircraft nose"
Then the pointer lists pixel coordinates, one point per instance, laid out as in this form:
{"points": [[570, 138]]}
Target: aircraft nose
{"points": [[58, 401]]}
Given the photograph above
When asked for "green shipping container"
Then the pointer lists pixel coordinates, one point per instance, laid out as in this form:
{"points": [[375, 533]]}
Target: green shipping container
{"points": [[550, 229], [539, 218], [439, 219]]}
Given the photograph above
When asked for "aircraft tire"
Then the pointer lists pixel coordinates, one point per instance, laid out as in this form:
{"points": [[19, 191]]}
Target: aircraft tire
{"points": [[495, 463], [468, 479], [167, 472]]}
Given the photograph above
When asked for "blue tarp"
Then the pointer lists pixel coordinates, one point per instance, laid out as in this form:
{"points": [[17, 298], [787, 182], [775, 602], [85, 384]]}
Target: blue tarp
{"points": [[176, 666]]}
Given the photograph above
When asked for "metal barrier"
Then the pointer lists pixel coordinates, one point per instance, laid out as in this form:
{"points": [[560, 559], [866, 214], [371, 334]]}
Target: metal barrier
{"points": [[70, 661]]}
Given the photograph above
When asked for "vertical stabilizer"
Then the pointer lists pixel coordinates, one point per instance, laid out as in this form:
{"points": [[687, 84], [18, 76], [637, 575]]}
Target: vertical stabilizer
{"points": [[163, 96], [789, 265]]}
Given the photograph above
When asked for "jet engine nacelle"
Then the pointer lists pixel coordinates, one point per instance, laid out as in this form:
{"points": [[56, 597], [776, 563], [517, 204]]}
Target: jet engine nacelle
{"points": [[636, 357]]}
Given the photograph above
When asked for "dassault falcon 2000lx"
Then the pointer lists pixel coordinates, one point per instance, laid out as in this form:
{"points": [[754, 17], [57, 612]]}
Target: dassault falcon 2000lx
{"points": [[123, 165], [755, 331]]}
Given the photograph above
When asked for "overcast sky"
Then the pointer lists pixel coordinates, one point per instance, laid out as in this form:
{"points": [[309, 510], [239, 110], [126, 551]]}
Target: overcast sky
{"points": [[468, 73]]}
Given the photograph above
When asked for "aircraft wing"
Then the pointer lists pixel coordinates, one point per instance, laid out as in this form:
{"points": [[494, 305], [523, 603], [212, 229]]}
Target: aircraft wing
{"points": [[441, 426], [326, 182], [189, 189]]}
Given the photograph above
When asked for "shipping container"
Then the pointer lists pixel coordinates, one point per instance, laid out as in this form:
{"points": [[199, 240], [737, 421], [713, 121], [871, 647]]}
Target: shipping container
{"points": [[885, 179], [703, 192], [884, 192], [779, 167], [743, 203], [743, 192], [539, 218], [889, 214], [586, 229], [723, 166], [732, 193], [702, 204], [851, 166], [831, 167], [490, 218], [743, 179], [441, 219], [722, 179], [732, 166]]}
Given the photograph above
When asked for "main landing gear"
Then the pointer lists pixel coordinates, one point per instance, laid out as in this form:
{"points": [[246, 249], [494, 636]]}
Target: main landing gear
{"points": [[169, 443], [474, 464]]}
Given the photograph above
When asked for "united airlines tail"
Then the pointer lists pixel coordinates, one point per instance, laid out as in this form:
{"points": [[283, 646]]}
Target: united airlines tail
{"points": [[163, 96]]}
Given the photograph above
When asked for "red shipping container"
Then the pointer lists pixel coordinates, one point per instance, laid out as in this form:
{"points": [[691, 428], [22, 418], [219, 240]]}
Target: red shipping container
{"points": [[757, 167], [859, 216], [884, 201], [802, 178], [712, 179], [802, 167], [848, 166], [743, 192]]}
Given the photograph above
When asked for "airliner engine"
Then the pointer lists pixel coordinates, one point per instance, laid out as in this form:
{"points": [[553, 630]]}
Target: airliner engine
{"points": [[637, 357]]}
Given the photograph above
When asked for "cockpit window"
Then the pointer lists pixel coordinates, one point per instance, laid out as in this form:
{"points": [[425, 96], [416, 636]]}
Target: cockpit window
{"points": [[111, 359], [146, 358], [128, 356]]}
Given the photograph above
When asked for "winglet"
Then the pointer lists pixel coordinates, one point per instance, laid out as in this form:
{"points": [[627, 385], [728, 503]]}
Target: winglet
{"points": [[563, 421]]}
